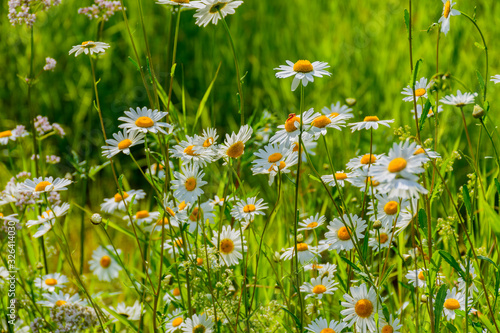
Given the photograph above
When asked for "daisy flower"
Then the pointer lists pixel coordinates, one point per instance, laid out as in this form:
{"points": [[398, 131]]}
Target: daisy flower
{"points": [[174, 321], [495, 78], [229, 245], [460, 99], [234, 145], [59, 299], [51, 214], [338, 236], [289, 132], [103, 265], [363, 161], [197, 324], [145, 120], [174, 295], [448, 12], [202, 213], [417, 278], [174, 245], [143, 216], [247, 209], [50, 282], [47, 184], [369, 122], [12, 135], [338, 110], [453, 301], [89, 47], [393, 326], [122, 143], [361, 307], [462, 283], [319, 287], [131, 313], [421, 88], [380, 239], [180, 3], [430, 113], [321, 325], [340, 176], [425, 154], [321, 124], [362, 179], [270, 157], [216, 201], [387, 209], [312, 222], [208, 10], [188, 151], [118, 201], [305, 253], [302, 70], [208, 140], [187, 185]]}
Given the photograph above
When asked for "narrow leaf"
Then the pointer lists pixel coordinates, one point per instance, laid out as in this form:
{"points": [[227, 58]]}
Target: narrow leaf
{"points": [[467, 203], [438, 307], [407, 20], [205, 97], [423, 116], [422, 220], [453, 263]]}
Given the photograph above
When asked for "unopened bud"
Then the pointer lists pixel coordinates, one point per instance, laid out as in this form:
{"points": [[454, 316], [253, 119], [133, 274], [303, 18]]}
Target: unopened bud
{"points": [[478, 111], [276, 257], [39, 265], [300, 238], [407, 258], [350, 101], [96, 218], [377, 224], [423, 299]]}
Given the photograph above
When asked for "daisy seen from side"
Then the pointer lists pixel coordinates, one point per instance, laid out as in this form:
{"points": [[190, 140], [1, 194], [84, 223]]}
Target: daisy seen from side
{"points": [[89, 47], [145, 120], [122, 142], [303, 71], [318, 287], [211, 11]]}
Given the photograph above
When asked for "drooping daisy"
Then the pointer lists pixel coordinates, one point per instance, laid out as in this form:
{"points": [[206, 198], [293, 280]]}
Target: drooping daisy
{"points": [[234, 145], [229, 245], [174, 245], [208, 10], [188, 151], [341, 177], [319, 287], [339, 237], [247, 209], [363, 161], [393, 326], [198, 324], [495, 78], [208, 140], [305, 253], [179, 3], [308, 144], [321, 325], [187, 185], [59, 299], [361, 307], [312, 222], [89, 47], [362, 179], [448, 12], [174, 321], [47, 219], [338, 110], [118, 201], [460, 99], [50, 282], [289, 132], [145, 120], [131, 313], [421, 88], [122, 143], [103, 265], [454, 301], [143, 216], [369, 122], [430, 113], [47, 184], [302, 70], [216, 201], [380, 239]]}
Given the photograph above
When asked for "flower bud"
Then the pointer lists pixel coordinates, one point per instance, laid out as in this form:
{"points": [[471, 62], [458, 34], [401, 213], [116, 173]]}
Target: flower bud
{"points": [[300, 238], [350, 101], [377, 225], [423, 298], [478, 112], [96, 218]]}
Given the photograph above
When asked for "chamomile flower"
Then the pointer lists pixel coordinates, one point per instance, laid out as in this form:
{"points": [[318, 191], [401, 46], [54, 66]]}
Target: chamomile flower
{"points": [[12, 135], [425, 154], [89, 47], [187, 185], [321, 325], [47, 184], [495, 78], [289, 132], [174, 245], [51, 214], [312, 222], [448, 12], [362, 179], [319, 287], [202, 213], [234, 145], [462, 283], [321, 124], [173, 296], [430, 113], [421, 88], [122, 143], [174, 321], [162, 224], [338, 110], [217, 201], [179, 3], [417, 278], [341, 177], [308, 144], [145, 120], [270, 157], [460, 99], [363, 161], [305, 253], [208, 140], [339, 237], [143, 216], [302, 70], [453, 301], [393, 326], [197, 324], [208, 10], [131, 313], [369, 122], [118, 201], [246, 210], [388, 209], [50, 282], [188, 151], [59, 299], [229, 245], [361, 307], [380, 239], [103, 264]]}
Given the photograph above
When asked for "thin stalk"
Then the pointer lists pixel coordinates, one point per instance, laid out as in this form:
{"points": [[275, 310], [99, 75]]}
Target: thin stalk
{"points": [[174, 55]]}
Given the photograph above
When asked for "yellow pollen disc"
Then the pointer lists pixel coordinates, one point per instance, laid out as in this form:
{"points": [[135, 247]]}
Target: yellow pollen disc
{"points": [[177, 322], [327, 330], [383, 238], [214, 9], [302, 247], [391, 208], [60, 302], [178, 242], [290, 123], [319, 289], [51, 282], [387, 329], [189, 151], [363, 308], [334, 114], [226, 246], [5, 134], [451, 304], [199, 261], [295, 147], [371, 118], [420, 92], [199, 329], [249, 208], [105, 261], [88, 43], [142, 214], [321, 121], [447, 9], [367, 159], [419, 151], [162, 167], [312, 225], [119, 198], [1, 214], [176, 292], [163, 221], [282, 165], [190, 184], [144, 122], [194, 215], [340, 176], [236, 150], [170, 211], [124, 144], [181, 1], [421, 276], [396, 165], [343, 234], [42, 185], [182, 205], [273, 158], [208, 142], [303, 66]]}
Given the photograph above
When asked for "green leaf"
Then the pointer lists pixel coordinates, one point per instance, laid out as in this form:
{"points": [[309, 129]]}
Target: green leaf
{"points": [[468, 206], [488, 260], [201, 107], [386, 274], [423, 116], [480, 80], [479, 46], [438, 306], [415, 72], [135, 63], [451, 328], [96, 168], [497, 184], [422, 220], [297, 321], [407, 20], [453, 263], [356, 268]]}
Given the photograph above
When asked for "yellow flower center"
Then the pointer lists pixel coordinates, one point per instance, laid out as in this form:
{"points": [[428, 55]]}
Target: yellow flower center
{"points": [[419, 151], [182, 205], [60, 302], [199, 328], [383, 238], [214, 9], [163, 221], [189, 151], [371, 181], [371, 118], [387, 329], [190, 184], [321, 121], [236, 150], [5, 134], [295, 147], [142, 214], [319, 289], [144, 122], [334, 114], [118, 196], [327, 330], [312, 225], [208, 142], [368, 159], [249, 208], [88, 44], [170, 211], [199, 261], [181, 1], [396, 165], [290, 122], [176, 292], [420, 92], [194, 215], [226, 246], [421, 276], [178, 242], [51, 282], [314, 266], [343, 234], [273, 158], [451, 304], [303, 66], [42, 185], [391, 208], [105, 261], [447, 9], [363, 308], [340, 176], [177, 321], [302, 247], [124, 144]]}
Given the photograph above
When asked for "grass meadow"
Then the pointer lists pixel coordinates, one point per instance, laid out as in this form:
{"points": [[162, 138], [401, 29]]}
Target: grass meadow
{"points": [[249, 166]]}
